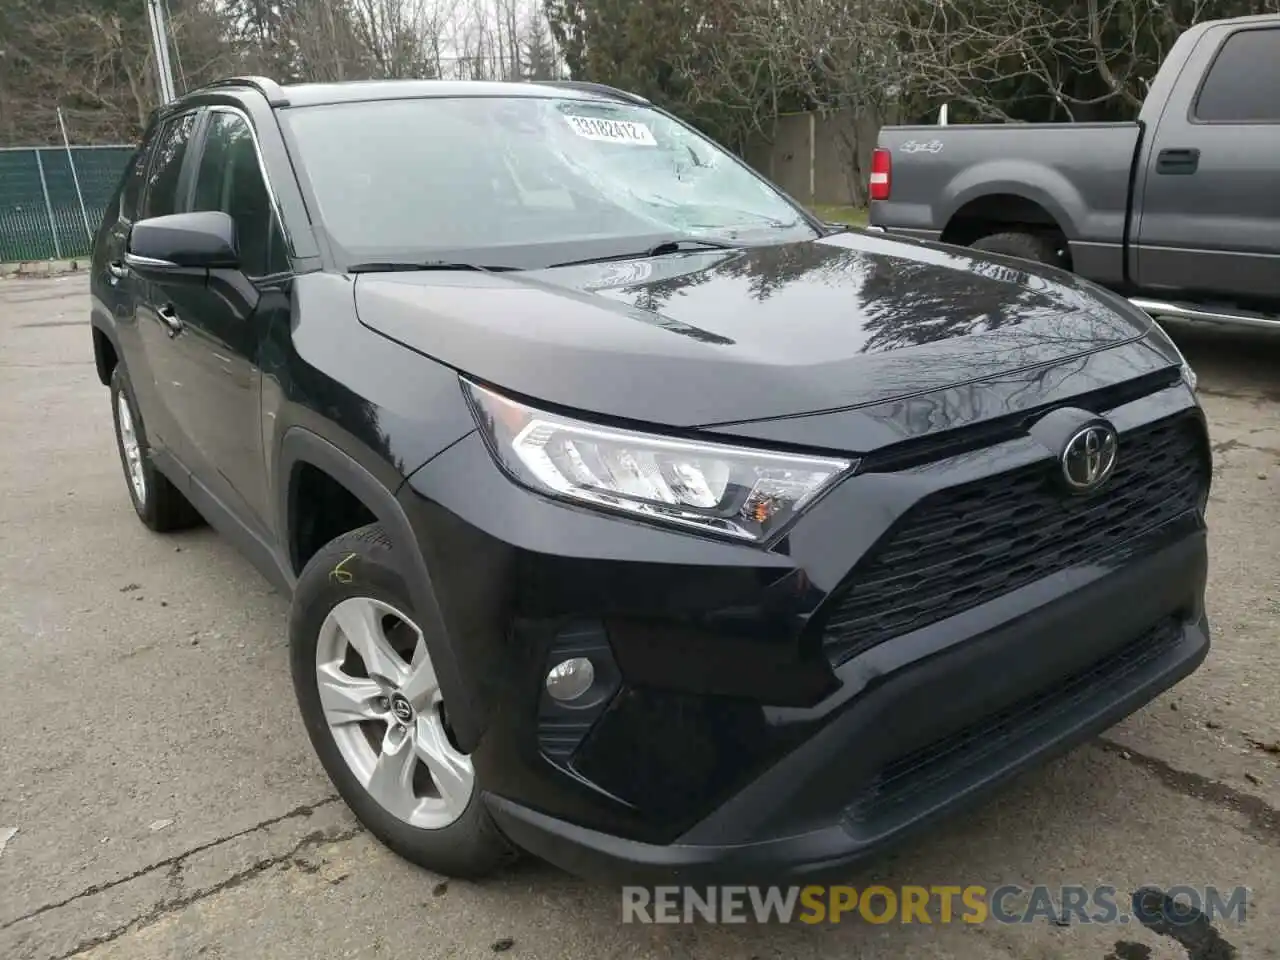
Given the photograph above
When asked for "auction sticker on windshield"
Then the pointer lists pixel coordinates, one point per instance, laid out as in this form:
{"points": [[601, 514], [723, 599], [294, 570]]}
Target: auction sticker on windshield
{"points": [[611, 131]]}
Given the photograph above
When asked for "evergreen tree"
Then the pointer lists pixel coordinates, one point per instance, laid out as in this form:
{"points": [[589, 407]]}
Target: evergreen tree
{"points": [[538, 54]]}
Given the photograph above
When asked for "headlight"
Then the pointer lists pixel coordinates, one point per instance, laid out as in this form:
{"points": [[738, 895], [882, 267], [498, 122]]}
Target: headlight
{"points": [[715, 488]]}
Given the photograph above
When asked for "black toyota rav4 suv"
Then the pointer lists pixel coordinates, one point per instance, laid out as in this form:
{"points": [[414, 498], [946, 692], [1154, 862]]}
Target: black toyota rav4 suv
{"points": [[631, 516]]}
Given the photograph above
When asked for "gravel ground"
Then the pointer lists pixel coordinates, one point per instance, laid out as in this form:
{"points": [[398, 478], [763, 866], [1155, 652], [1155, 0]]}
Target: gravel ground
{"points": [[167, 803]]}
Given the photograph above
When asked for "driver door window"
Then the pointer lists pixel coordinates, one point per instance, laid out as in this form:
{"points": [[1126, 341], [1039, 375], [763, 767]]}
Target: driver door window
{"points": [[164, 179], [230, 179]]}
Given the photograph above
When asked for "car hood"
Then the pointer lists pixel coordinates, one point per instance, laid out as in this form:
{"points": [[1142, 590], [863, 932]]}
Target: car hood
{"points": [[715, 337]]}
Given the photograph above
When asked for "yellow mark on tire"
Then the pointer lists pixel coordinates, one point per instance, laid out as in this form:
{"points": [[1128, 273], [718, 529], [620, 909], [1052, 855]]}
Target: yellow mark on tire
{"points": [[340, 574]]}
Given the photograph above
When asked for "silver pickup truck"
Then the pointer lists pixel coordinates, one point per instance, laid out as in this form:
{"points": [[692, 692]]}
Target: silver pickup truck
{"points": [[1180, 211]]}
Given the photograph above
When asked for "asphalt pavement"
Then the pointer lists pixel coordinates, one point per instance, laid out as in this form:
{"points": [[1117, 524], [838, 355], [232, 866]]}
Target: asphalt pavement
{"points": [[167, 802]]}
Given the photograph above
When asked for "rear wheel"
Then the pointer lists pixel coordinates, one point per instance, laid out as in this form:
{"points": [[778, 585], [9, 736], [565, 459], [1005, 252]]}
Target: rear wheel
{"points": [[367, 689], [159, 504], [1036, 247]]}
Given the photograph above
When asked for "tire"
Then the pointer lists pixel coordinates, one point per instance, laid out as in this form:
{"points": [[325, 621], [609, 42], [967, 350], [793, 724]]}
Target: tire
{"points": [[1028, 246], [353, 582], [159, 504]]}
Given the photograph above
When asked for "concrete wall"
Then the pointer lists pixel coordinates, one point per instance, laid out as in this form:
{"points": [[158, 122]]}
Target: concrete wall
{"points": [[818, 158]]}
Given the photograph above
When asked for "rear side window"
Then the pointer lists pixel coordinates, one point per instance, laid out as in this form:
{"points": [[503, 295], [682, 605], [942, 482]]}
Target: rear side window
{"points": [[1243, 85], [170, 149]]}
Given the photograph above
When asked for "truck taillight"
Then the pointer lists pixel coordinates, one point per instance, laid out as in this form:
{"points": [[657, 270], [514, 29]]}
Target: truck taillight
{"points": [[881, 170]]}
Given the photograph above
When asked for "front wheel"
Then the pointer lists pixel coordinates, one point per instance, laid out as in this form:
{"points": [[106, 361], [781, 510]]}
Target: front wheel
{"points": [[367, 690]]}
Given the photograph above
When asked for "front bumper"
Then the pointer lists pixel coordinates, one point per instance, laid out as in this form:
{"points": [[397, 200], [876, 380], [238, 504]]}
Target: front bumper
{"points": [[729, 742], [923, 742]]}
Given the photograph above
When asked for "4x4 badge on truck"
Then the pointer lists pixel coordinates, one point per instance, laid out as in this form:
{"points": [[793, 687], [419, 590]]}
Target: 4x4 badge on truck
{"points": [[1089, 457]]}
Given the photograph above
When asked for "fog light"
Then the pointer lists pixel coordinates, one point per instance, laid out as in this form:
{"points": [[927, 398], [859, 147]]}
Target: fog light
{"points": [[570, 679]]}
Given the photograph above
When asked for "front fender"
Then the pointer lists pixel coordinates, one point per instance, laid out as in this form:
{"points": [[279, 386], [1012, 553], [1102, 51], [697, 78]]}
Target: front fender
{"points": [[300, 445]]}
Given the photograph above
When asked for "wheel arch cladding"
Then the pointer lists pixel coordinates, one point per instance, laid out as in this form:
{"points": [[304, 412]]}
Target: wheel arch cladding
{"points": [[302, 448], [320, 509], [106, 356]]}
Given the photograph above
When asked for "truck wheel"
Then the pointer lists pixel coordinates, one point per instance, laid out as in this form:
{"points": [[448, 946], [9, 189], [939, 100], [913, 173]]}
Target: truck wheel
{"points": [[159, 504], [1029, 246], [367, 690]]}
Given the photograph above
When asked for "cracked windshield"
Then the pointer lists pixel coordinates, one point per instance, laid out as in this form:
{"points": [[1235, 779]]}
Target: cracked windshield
{"points": [[526, 174]]}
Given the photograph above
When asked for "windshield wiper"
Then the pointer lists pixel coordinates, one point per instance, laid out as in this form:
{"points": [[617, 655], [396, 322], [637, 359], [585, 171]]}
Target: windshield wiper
{"points": [[658, 250], [405, 266], [689, 243]]}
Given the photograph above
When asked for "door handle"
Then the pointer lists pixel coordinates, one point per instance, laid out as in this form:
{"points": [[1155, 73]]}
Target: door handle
{"points": [[169, 317], [1177, 161], [117, 269]]}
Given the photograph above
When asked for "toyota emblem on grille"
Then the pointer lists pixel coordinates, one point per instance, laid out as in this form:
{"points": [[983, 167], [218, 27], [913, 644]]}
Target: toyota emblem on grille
{"points": [[1089, 457]]}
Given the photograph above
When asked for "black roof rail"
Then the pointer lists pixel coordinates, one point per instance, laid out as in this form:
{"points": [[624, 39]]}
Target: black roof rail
{"points": [[264, 85], [601, 88]]}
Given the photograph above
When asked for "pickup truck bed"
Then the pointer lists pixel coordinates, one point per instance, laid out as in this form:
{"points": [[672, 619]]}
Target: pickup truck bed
{"points": [[1069, 173], [1181, 207]]}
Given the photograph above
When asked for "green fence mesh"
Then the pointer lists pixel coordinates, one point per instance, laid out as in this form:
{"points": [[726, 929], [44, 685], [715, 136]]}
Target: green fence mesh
{"points": [[40, 214]]}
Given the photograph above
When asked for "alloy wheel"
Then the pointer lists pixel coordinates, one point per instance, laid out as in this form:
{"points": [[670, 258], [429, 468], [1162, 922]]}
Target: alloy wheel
{"points": [[382, 703], [132, 452]]}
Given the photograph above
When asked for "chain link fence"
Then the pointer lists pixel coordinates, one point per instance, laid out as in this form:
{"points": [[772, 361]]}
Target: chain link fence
{"points": [[52, 199]]}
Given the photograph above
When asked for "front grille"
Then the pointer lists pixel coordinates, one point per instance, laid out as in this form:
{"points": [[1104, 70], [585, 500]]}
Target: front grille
{"points": [[961, 547], [921, 771]]}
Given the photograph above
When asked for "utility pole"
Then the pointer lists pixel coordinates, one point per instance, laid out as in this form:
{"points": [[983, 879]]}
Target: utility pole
{"points": [[75, 177], [160, 47]]}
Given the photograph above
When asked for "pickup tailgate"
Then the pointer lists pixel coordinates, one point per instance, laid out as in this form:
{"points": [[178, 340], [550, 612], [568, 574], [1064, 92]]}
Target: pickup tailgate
{"points": [[1078, 173]]}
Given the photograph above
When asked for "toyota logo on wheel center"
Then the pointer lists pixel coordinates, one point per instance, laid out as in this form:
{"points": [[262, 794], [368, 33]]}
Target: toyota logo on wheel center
{"points": [[401, 709], [1090, 457]]}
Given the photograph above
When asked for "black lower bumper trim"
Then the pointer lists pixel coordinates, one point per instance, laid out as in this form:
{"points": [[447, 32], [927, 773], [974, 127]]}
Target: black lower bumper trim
{"points": [[913, 777], [915, 789]]}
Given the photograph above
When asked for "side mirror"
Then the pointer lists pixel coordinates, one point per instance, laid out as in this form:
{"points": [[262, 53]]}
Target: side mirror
{"points": [[183, 245]]}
